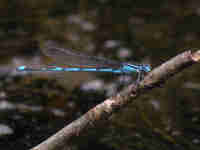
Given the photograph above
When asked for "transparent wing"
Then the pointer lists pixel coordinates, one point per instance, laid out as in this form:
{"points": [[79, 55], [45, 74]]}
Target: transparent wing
{"points": [[62, 56]]}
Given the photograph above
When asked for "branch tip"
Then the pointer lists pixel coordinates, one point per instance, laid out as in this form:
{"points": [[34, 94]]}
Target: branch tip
{"points": [[196, 56]]}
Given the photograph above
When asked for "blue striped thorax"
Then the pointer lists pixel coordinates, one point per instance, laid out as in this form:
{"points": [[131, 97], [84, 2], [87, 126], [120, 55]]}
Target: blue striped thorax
{"points": [[129, 68]]}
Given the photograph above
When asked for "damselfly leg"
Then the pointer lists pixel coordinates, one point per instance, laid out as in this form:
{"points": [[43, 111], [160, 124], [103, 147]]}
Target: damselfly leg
{"points": [[140, 77]]}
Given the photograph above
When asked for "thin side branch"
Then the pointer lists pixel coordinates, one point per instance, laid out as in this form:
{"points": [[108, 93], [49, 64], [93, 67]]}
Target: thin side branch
{"points": [[101, 113]]}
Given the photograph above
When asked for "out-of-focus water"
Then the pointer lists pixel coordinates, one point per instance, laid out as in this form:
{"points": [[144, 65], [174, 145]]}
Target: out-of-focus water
{"points": [[35, 106]]}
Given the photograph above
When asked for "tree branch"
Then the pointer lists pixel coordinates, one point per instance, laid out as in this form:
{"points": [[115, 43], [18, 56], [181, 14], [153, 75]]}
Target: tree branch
{"points": [[101, 113]]}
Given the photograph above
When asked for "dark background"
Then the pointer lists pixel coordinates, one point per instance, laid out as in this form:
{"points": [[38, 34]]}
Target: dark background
{"points": [[35, 106]]}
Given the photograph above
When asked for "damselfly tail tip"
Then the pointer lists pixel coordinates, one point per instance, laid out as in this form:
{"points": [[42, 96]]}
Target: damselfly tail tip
{"points": [[21, 68]]}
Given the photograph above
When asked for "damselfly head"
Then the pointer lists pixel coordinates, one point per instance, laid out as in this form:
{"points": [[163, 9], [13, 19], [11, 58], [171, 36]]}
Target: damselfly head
{"points": [[146, 67]]}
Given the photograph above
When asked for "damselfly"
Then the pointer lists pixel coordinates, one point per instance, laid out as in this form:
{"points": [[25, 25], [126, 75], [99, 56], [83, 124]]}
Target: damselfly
{"points": [[66, 60]]}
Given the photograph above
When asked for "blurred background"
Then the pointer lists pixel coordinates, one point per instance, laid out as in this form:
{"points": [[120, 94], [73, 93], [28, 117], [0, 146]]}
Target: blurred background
{"points": [[35, 106]]}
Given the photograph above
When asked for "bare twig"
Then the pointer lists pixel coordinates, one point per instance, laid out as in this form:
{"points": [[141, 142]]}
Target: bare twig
{"points": [[94, 117]]}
